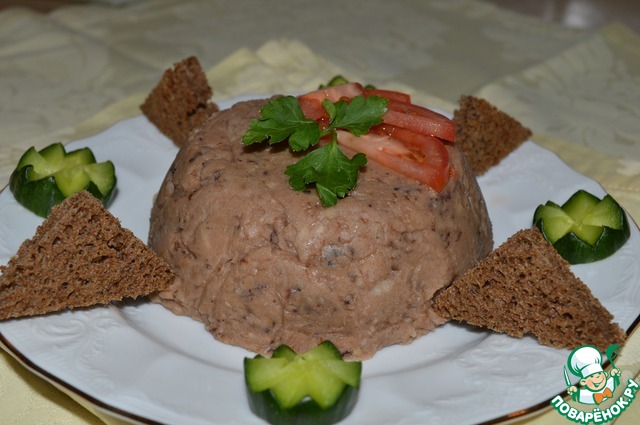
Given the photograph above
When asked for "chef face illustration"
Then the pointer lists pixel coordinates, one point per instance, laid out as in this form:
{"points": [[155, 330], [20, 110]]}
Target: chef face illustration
{"points": [[595, 382], [586, 363]]}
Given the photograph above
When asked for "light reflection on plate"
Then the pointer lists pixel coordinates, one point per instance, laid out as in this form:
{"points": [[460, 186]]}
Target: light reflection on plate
{"points": [[141, 362]]}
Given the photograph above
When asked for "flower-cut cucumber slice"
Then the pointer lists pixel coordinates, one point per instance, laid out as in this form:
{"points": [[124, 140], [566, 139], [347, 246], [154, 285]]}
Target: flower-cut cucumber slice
{"points": [[45, 178], [315, 387], [585, 228]]}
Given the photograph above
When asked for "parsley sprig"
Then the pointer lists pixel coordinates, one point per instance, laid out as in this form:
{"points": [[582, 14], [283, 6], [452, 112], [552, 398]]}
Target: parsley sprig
{"points": [[327, 167]]}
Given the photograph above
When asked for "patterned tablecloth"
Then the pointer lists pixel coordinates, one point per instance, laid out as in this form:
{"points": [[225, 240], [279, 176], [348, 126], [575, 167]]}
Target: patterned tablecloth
{"points": [[75, 72]]}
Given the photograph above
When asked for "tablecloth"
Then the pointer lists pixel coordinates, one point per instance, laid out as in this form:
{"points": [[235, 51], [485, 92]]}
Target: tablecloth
{"points": [[80, 69]]}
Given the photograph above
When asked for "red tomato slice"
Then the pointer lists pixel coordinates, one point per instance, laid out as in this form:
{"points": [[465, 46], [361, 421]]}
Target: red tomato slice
{"points": [[405, 136], [313, 109], [407, 142], [420, 119], [433, 151], [426, 162], [388, 94], [335, 93]]}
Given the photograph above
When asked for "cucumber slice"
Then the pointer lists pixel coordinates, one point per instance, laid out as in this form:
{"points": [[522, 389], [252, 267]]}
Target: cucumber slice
{"points": [[606, 213], [39, 165], [44, 178], [587, 233], [265, 372], [71, 180], [579, 204], [343, 370], [315, 387], [284, 351], [323, 386], [82, 156], [54, 158], [37, 196], [585, 228], [324, 351], [54, 153], [557, 223], [103, 175]]}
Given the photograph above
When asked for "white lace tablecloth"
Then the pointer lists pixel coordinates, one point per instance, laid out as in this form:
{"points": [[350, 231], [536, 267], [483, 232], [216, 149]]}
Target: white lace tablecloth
{"points": [[75, 72]]}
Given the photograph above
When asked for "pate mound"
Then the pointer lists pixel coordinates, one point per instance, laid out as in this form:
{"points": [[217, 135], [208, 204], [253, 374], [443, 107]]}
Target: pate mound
{"points": [[526, 287], [262, 265], [79, 257]]}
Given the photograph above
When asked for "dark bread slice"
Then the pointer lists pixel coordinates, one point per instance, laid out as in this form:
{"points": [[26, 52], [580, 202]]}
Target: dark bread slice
{"points": [[181, 101], [486, 134], [80, 256], [526, 287]]}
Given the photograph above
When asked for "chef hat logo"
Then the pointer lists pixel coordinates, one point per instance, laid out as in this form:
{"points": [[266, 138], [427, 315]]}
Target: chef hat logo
{"points": [[585, 361]]}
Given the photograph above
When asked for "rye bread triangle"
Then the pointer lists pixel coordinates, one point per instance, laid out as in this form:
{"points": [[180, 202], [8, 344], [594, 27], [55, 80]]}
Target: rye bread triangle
{"points": [[485, 133], [181, 101], [526, 287], [79, 256]]}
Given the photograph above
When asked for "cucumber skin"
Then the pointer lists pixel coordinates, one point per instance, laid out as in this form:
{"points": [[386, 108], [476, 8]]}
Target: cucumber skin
{"points": [[576, 251], [265, 405], [39, 196]]}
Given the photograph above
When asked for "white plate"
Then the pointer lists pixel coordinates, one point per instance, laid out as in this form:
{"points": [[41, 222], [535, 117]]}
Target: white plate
{"points": [[141, 362]]}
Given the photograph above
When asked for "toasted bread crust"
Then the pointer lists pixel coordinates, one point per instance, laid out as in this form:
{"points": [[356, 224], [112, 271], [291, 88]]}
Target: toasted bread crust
{"points": [[181, 101], [80, 256], [526, 287], [485, 134]]}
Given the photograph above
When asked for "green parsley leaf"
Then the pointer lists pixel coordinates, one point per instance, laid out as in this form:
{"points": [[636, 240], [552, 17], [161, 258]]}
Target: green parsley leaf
{"points": [[339, 79], [358, 115], [282, 118], [335, 81], [333, 173]]}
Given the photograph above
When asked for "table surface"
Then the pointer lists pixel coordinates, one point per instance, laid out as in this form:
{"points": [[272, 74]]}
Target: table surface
{"points": [[569, 70], [571, 13]]}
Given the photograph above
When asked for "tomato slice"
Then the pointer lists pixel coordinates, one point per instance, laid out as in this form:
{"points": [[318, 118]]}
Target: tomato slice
{"points": [[405, 136], [335, 93], [407, 142], [419, 119], [311, 103], [433, 151], [388, 94], [313, 109], [426, 160]]}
